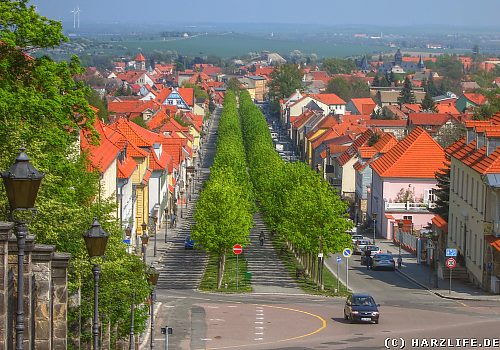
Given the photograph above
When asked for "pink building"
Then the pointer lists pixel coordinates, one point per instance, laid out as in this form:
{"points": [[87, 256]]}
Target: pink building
{"points": [[403, 183]]}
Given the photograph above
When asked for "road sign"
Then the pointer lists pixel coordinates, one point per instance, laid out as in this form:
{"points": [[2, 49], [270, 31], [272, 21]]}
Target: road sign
{"points": [[451, 263], [339, 259], [237, 249], [451, 252], [347, 252]]}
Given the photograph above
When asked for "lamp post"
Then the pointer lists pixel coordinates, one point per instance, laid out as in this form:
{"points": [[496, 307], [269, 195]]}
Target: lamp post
{"points": [[153, 275], [155, 221], [400, 230], [182, 193], [144, 240], [96, 240], [131, 344], [21, 182], [166, 221], [374, 218]]}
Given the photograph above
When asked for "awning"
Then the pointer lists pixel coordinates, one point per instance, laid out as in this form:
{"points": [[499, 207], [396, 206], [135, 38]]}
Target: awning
{"points": [[493, 241]]}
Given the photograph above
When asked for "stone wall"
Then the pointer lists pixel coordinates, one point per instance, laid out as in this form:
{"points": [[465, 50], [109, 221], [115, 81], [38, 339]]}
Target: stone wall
{"points": [[45, 293]]}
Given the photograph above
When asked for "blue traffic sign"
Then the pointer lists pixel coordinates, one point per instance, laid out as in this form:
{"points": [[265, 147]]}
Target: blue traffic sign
{"points": [[347, 252], [339, 259], [451, 252]]}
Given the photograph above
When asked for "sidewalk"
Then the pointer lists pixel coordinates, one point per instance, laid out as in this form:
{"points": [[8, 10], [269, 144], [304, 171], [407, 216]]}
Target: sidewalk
{"points": [[421, 275]]}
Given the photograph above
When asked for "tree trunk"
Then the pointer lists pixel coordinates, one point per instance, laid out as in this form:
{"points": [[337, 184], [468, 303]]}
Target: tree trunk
{"points": [[220, 270]]}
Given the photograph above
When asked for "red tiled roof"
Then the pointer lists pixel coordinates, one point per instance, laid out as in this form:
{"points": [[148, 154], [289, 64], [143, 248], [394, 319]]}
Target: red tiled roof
{"points": [[447, 107], [428, 118], [329, 99], [367, 151], [385, 143], [416, 156], [440, 222], [126, 168], [187, 95], [147, 176], [386, 123], [364, 105], [351, 151], [102, 154], [303, 118], [139, 58], [477, 99]]}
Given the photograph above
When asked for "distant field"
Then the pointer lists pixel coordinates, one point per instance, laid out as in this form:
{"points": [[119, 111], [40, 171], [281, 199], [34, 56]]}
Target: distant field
{"points": [[230, 45]]}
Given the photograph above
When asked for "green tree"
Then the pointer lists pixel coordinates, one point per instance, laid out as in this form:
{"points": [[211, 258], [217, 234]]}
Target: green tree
{"points": [[285, 80], [199, 93], [338, 66], [353, 88], [450, 134], [442, 193], [485, 111], [406, 95], [50, 110], [428, 104], [233, 84]]}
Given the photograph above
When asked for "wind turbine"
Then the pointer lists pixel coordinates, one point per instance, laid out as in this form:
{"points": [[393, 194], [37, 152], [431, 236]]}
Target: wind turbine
{"points": [[76, 17]]}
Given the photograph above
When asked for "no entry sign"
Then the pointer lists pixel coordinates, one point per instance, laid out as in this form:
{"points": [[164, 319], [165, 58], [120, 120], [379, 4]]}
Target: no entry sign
{"points": [[451, 263], [237, 249]]}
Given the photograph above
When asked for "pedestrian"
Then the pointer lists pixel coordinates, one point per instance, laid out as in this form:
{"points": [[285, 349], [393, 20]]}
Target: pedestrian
{"points": [[368, 254], [400, 261], [261, 238]]}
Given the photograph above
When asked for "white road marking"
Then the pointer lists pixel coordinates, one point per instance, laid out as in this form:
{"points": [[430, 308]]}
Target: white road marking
{"points": [[216, 319], [259, 322], [259, 327], [212, 307], [258, 339], [232, 306], [259, 318], [206, 339], [259, 333]]}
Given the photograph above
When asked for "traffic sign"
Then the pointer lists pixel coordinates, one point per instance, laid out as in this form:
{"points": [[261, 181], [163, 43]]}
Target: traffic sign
{"points": [[451, 263], [347, 252], [451, 252], [339, 259], [237, 249]]}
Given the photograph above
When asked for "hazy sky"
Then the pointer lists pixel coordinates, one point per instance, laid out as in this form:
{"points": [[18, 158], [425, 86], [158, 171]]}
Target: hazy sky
{"points": [[382, 12]]}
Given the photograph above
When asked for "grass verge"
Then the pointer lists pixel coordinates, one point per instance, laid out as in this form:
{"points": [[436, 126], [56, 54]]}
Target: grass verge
{"points": [[209, 282]]}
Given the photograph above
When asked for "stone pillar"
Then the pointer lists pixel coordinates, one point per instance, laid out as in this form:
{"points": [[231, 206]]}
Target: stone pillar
{"points": [[5, 231], [60, 300], [42, 296]]}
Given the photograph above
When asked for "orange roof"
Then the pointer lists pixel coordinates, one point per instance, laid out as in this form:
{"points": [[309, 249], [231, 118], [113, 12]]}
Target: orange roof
{"points": [[416, 156], [475, 158], [320, 75], [147, 176], [477, 99], [351, 151], [385, 142], [364, 105], [139, 58], [187, 95], [367, 151], [447, 107], [440, 222], [386, 123], [435, 119], [329, 99], [126, 168], [102, 154], [303, 118]]}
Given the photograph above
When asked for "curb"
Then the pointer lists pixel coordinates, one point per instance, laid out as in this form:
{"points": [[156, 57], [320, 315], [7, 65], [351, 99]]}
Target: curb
{"points": [[443, 295], [147, 334]]}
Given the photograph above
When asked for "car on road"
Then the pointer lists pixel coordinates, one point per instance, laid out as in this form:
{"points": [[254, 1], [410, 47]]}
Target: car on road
{"points": [[373, 250], [188, 242], [360, 244], [361, 307], [356, 237], [383, 261]]}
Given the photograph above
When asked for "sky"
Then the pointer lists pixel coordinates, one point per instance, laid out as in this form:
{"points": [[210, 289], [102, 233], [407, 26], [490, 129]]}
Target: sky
{"points": [[458, 13]]}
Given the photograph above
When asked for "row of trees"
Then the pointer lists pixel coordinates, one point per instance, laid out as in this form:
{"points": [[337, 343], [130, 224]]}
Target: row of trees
{"points": [[298, 204], [42, 107], [225, 208]]}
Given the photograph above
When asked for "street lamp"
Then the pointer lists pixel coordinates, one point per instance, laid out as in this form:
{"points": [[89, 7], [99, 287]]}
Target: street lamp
{"points": [[155, 221], [374, 217], [400, 230], [21, 182], [182, 193], [166, 221], [95, 240], [153, 276], [144, 240]]}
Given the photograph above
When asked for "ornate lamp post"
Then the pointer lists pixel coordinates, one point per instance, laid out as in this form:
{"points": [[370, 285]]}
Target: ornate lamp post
{"points": [[155, 221], [96, 240], [144, 241], [166, 222], [400, 233], [374, 218], [21, 182], [182, 195], [153, 276]]}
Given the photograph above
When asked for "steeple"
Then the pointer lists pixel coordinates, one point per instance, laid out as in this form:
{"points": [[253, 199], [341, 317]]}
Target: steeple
{"points": [[421, 65], [398, 58]]}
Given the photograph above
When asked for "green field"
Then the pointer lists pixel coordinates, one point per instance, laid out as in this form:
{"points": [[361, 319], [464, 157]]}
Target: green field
{"points": [[231, 45]]}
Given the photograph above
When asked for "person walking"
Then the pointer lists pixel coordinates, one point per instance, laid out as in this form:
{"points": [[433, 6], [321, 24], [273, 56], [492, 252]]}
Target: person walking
{"points": [[261, 238], [368, 258], [400, 262]]}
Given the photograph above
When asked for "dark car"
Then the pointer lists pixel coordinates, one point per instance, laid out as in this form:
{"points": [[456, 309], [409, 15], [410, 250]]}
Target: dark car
{"points": [[383, 261], [188, 243], [361, 308]]}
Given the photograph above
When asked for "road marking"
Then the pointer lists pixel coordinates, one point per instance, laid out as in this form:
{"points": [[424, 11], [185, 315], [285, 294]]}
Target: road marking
{"points": [[258, 338], [259, 333], [232, 306], [259, 322], [206, 339], [216, 319], [259, 327], [259, 318], [212, 307]]}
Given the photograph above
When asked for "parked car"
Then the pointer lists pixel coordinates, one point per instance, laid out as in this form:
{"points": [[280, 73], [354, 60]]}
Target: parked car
{"points": [[188, 242], [360, 307], [356, 238], [383, 261], [360, 244], [373, 249]]}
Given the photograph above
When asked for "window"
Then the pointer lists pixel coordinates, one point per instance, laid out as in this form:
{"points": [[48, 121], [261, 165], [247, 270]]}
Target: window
{"points": [[466, 189], [429, 195], [408, 217]]}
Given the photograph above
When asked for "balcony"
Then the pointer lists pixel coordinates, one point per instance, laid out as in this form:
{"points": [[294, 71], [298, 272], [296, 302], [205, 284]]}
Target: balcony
{"points": [[408, 206]]}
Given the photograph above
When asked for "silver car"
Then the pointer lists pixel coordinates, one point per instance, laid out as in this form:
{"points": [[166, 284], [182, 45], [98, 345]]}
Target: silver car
{"points": [[383, 261], [360, 245]]}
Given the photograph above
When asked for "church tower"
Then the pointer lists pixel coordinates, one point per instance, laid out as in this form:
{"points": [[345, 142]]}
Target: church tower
{"points": [[421, 65], [398, 58], [140, 62]]}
